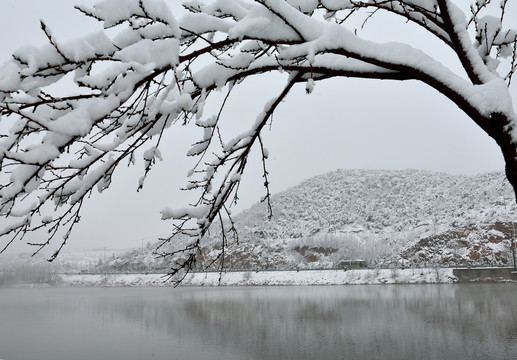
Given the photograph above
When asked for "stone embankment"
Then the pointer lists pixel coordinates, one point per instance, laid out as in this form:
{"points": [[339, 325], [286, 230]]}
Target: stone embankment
{"points": [[485, 275]]}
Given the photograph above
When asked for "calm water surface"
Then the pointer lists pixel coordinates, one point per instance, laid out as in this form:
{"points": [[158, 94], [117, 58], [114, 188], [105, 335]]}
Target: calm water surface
{"points": [[339, 322]]}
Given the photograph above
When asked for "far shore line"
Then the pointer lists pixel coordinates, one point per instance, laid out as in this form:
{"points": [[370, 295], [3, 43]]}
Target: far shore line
{"points": [[299, 277]]}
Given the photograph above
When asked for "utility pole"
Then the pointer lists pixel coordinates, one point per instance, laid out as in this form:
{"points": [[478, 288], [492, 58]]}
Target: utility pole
{"points": [[513, 246]]}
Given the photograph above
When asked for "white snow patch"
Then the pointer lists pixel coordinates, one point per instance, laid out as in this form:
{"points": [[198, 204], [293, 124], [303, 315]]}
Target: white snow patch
{"points": [[267, 278]]}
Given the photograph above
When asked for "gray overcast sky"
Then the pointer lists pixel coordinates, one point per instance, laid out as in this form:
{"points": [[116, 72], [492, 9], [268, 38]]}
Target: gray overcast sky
{"points": [[344, 124]]}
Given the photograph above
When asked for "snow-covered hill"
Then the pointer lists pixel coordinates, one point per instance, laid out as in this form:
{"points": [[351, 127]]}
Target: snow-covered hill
{"points": [[382, 201], [389, 218]]}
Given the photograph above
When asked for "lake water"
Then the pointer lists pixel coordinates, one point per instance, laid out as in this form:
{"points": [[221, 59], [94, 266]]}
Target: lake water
{"points": [[463, 321]]}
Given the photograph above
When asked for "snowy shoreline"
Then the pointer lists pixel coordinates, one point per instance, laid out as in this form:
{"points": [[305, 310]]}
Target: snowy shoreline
{"points": [[271, 278]]}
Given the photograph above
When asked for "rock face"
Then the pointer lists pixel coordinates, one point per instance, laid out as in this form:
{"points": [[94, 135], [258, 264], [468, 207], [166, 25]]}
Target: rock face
{"points": [[388, 218]]}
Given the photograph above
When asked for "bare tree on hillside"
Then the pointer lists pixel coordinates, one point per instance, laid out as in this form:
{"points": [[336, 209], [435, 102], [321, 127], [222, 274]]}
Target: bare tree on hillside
{"points": [[152, 72]]}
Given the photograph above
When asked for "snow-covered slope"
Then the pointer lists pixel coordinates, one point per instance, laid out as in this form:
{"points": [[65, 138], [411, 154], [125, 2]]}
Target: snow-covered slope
{"points": [[382, 201], [405, 218]]}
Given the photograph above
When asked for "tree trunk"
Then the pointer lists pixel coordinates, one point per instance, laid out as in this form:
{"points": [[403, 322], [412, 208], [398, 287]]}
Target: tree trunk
{"points": [[500, 131]]}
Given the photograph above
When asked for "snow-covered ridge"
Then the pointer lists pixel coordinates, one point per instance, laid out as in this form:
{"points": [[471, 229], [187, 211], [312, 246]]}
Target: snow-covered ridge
{"points": [[352, 201]]}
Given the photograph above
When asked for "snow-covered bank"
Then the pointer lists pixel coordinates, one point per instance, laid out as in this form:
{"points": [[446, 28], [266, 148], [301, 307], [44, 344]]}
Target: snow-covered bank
{"points": [[265, 278]]}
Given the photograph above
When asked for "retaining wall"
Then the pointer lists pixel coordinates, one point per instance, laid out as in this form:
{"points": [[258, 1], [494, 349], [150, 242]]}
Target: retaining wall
{"points": [[485, 274]]}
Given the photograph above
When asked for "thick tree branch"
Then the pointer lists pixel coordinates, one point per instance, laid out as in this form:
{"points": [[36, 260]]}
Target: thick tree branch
{"points": [[457, 33]]}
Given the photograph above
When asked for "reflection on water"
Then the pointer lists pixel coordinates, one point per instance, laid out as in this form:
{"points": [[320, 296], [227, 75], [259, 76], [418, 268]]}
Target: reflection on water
{"points": [[476, 321]]}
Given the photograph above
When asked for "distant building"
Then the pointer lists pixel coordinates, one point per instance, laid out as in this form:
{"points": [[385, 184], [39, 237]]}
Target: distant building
{"points": [[352, 264]]}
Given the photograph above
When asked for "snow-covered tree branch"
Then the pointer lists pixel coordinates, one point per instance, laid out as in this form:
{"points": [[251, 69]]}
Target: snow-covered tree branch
{"points": [[149, 70]]}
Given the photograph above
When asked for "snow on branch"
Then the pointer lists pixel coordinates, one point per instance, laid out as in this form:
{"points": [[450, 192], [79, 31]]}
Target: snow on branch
{"points": [[154, 70]]}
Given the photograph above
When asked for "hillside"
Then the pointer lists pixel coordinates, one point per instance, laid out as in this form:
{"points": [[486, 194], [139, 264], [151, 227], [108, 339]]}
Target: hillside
{"points": [[389, 218], [382, 201]]}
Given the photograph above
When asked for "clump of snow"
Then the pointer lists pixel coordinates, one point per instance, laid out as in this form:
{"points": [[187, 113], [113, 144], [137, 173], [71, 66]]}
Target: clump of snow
{"points": [[9, 78], [46, 219], [152, 154], [154, 53], [196, 212], [113, 12], [492, 97], [309, 86]]}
